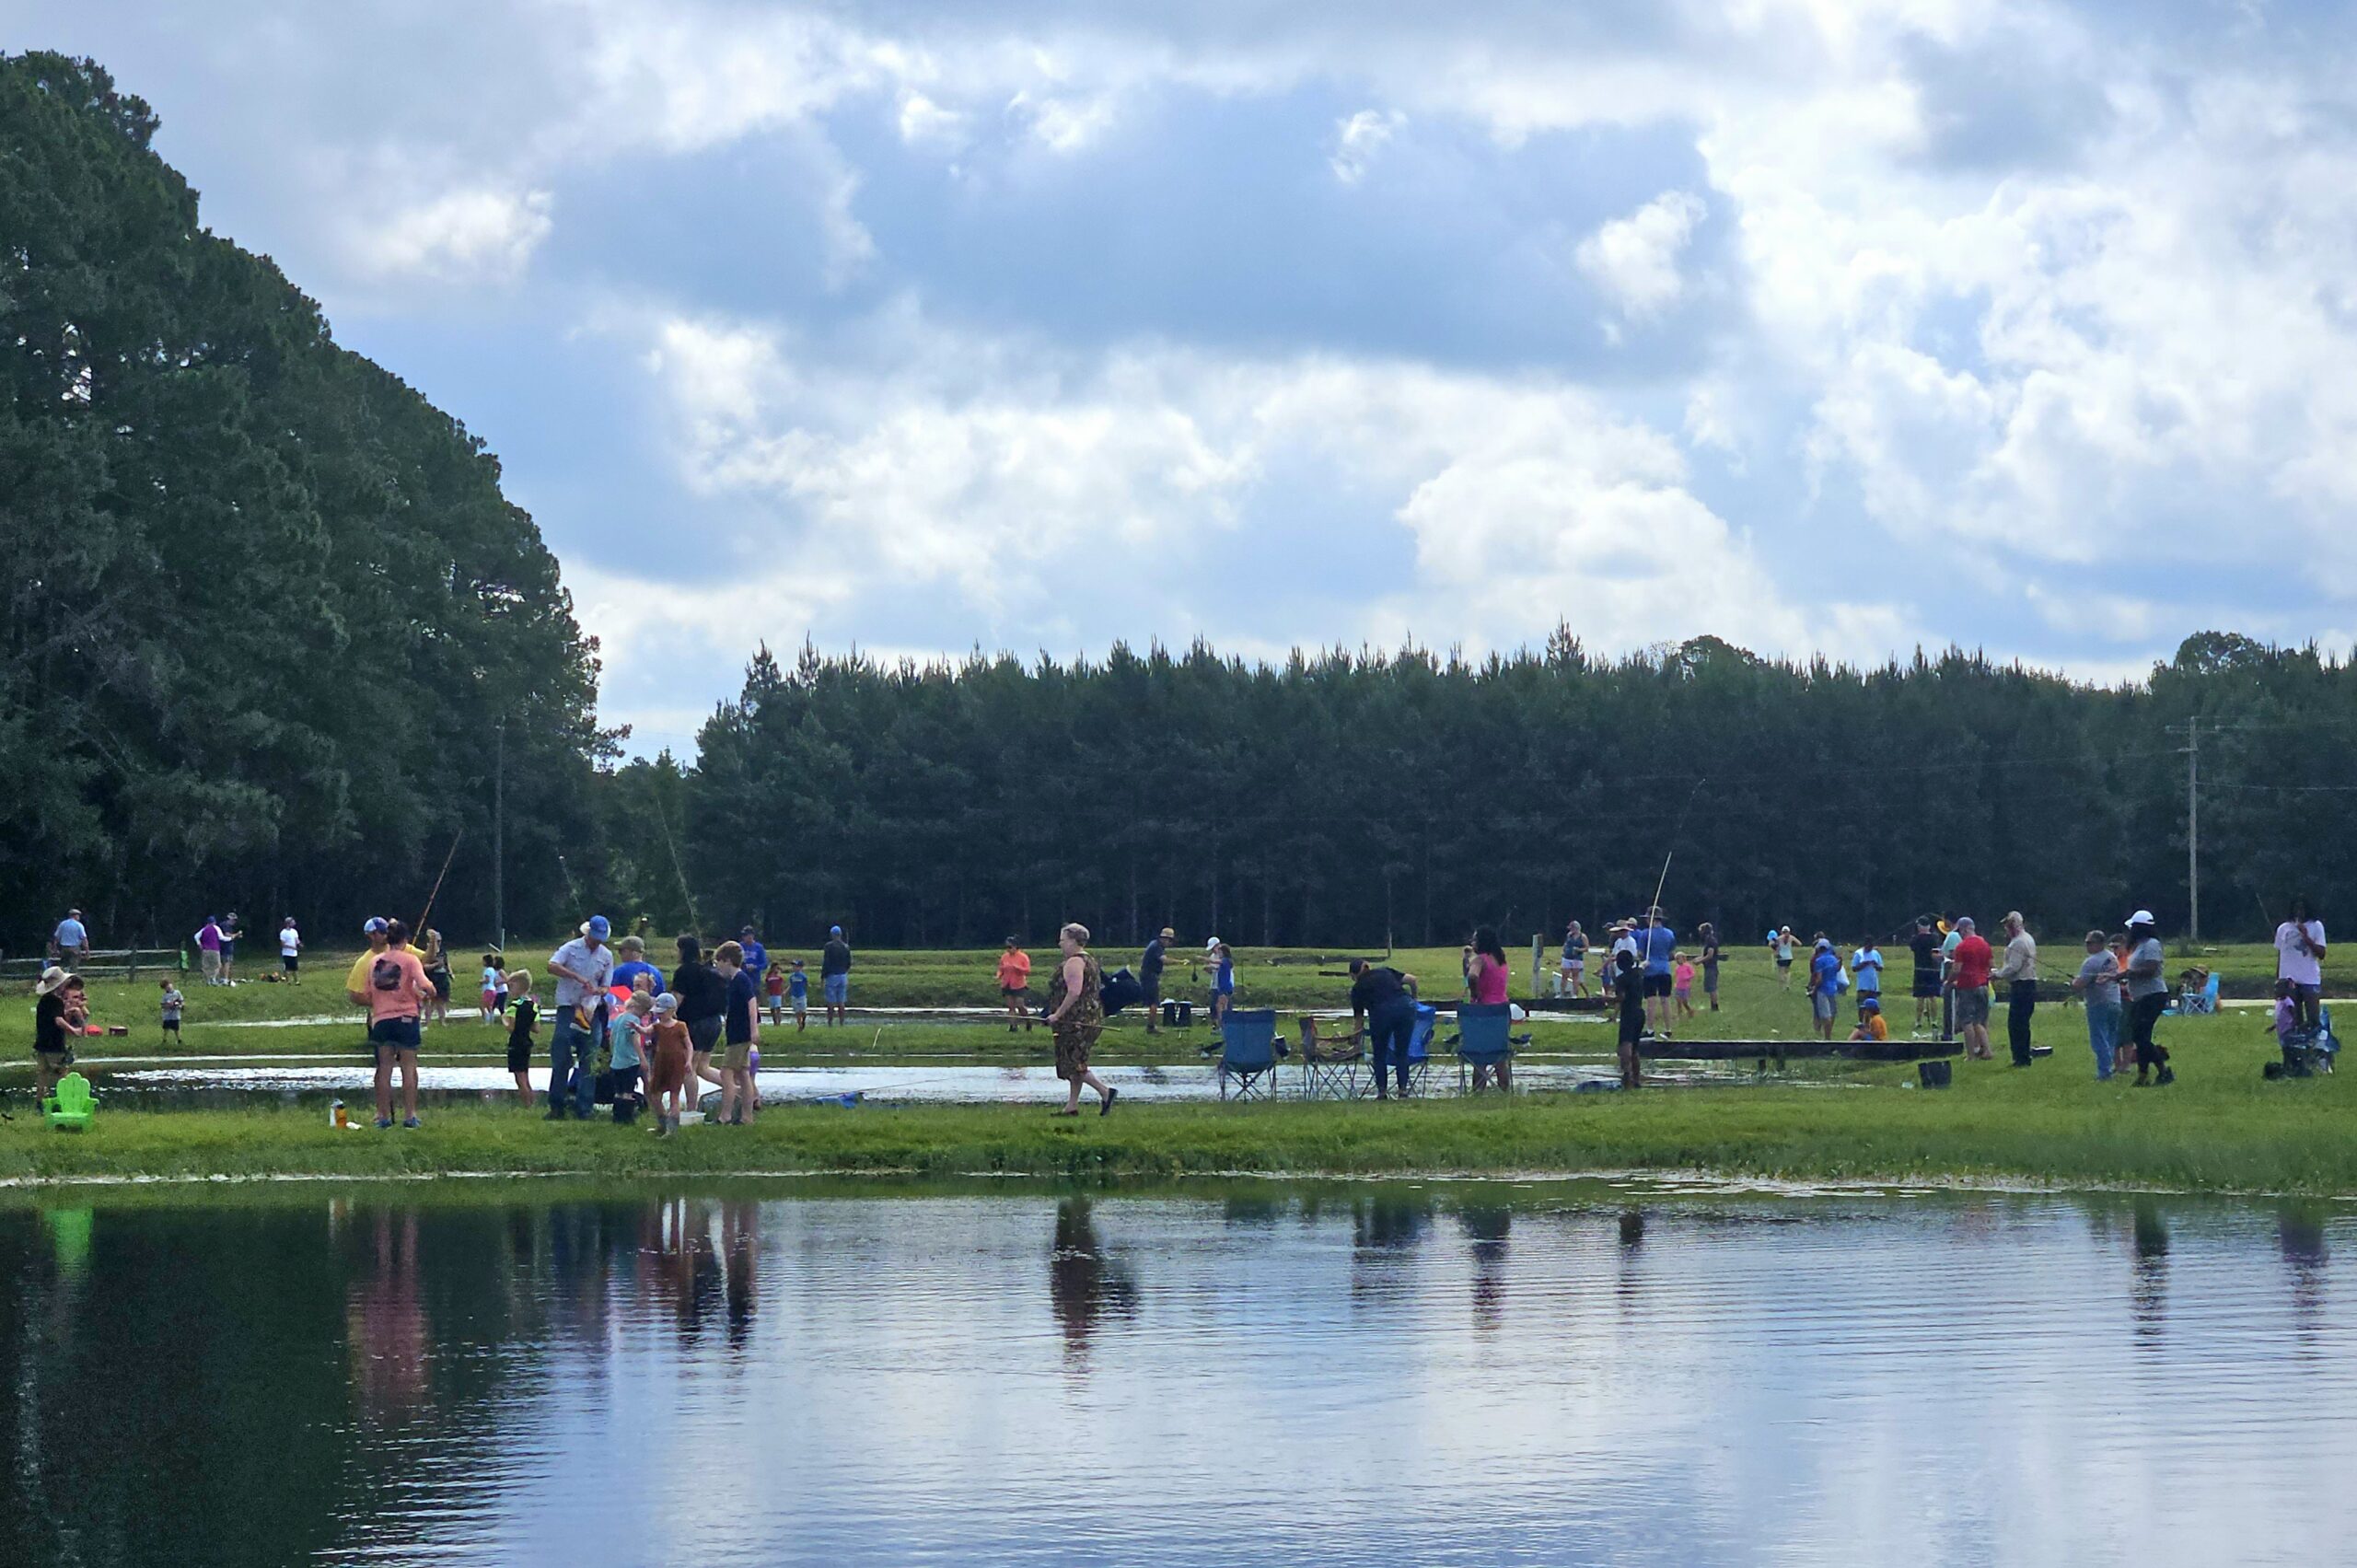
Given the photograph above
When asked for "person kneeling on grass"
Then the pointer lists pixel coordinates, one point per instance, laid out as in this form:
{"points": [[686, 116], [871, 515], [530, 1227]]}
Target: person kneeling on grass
{"points": [[1628, 985], [1871, 1025]]}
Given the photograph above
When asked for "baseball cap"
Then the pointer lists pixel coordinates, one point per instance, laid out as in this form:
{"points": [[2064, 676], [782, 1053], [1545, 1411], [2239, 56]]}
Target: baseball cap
{"points": [[666, 1002], [600, 928], [834, 931], [1865, 1005], [374, 927], [2143, 917]]}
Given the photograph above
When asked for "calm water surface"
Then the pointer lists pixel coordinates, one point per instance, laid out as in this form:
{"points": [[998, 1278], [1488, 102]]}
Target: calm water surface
{"points": [[1452, 1374]]}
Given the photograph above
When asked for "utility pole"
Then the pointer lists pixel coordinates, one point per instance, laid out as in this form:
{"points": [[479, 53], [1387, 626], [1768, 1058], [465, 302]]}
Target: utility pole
{"points": [[2192, 828], [498, 837]]}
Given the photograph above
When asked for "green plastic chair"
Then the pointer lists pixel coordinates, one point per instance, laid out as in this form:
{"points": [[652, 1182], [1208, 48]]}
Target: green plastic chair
{"points": [[70, 1108]]}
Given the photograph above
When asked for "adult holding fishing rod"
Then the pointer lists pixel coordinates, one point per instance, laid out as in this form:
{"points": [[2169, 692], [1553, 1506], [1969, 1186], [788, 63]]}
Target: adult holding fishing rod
{"points": [[1657, 938]]}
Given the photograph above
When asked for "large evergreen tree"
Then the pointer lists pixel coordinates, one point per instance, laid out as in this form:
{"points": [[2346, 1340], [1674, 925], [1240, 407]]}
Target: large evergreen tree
{"points": [[267, 605]]}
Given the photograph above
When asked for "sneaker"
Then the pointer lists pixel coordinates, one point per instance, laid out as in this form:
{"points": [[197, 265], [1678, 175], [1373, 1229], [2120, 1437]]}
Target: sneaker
{"points": [[2168, 1076], [412, 1124], [384, 1124]]}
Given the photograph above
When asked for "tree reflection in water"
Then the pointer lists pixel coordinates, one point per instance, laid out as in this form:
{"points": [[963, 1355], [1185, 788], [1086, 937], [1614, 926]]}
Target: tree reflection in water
{"points": [[1085, 1285]]}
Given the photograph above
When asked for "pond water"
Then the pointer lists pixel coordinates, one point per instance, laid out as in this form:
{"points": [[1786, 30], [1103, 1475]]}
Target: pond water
{"points": [[1457, 1372]]}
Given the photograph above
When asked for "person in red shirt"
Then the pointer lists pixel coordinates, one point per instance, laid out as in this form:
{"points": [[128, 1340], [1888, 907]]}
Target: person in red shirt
{"points": [[1969, 972], [1014, 985]]}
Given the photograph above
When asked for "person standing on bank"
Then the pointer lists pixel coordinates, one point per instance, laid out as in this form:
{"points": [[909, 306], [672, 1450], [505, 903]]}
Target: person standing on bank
{"points": [[2299, 957], [1076, 1016], [743, 1031], [1489, 978], [1865, 970], [1824, 986], [52, 1052], [290, 951], [703, 1004], [2020, 971], [2148, 996], [397, 998], [231, 929], [1150, 966], [1383, 1010], [2098, 983], [580, 970], [1660, 947], [834, 975], [69, 944], [1015, 984], [1709, 933], [1924, 945], [208, 949], [1968, 965]]}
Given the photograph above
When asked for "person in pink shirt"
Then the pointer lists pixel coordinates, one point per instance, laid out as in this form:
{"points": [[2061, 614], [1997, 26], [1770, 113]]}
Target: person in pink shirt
{"points": [[397, 998], [1682, 986], [1486, 973]]}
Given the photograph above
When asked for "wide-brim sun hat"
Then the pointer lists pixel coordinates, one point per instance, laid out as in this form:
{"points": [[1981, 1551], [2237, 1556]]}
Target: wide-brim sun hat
{"points": [[51, 979]]}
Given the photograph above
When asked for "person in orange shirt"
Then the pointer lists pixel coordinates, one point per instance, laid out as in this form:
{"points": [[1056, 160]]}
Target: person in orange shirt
{"points": [[1015, 984], [667, 1083], [1870, 1020], [396, 996]]}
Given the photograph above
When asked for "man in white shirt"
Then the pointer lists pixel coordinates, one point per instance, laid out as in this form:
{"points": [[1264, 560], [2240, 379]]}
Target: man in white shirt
{"points": [[290, 951], [2299, 957], [581, 968]]}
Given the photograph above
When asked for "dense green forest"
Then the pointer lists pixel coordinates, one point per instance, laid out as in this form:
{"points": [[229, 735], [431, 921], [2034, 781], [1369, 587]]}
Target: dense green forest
{"points": [[273, 629], [266, 605], [1345, 799]]}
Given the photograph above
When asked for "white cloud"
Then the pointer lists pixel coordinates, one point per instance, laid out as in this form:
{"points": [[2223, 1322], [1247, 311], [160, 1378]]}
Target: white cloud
{"points": [[1635, 260], [482, 235], [923, 120], [989, 472], [1356, 141]]}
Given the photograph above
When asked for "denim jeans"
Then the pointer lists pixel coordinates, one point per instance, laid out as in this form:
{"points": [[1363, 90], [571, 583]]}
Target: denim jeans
{"points": [[1390, 1029], [2102, 1034], [571, 1050]]}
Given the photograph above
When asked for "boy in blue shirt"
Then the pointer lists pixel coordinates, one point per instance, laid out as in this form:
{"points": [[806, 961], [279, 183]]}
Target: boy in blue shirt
{"points": [[1865, 974], [798, 991]]}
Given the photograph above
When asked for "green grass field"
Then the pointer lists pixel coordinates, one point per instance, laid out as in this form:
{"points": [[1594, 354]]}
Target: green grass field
{"points": [[254, 1017], [2222, 1128]]}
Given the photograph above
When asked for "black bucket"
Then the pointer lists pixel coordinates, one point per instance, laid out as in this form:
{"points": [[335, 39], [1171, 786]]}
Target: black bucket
{"points": [[1935, 1075], [1170, 1014], [1186, 1012]]}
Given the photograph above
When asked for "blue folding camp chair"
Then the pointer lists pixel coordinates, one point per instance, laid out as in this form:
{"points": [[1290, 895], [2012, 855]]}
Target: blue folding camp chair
{"points": [[1247, 1054], [2203, 1002], [1419, 1050], [1330, 1068], [1481, 1030]]}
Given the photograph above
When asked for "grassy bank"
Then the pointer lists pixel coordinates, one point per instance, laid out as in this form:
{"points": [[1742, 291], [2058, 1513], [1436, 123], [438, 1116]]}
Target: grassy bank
{"points": [[254, 1019], [2221, 1128]]}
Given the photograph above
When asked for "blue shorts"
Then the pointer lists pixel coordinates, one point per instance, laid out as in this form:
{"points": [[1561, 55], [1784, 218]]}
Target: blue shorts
{"points": [[837, 989], [393, 1034]]}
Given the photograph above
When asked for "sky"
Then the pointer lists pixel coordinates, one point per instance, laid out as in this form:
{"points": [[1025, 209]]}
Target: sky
{"points": [[927, 326]]}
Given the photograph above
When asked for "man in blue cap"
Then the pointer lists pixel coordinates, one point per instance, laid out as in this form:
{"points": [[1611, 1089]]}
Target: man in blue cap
{"points": [[834, 974], [581, 968]]}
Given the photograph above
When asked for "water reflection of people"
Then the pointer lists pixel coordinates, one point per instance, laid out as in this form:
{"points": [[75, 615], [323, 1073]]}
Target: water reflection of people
{"points": [[1486, 1227], [385, 1318], [1385, 1229], [2148, 1294], [740, 1237], [1084, 1285], [2299, 1230]]}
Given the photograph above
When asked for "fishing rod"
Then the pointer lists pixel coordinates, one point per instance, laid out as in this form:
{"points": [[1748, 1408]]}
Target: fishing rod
{"points": [[420, 926], [1655, 908]]}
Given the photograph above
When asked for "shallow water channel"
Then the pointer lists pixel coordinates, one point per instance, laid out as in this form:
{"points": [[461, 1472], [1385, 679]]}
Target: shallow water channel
{"points": [[1445, 1373]]}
